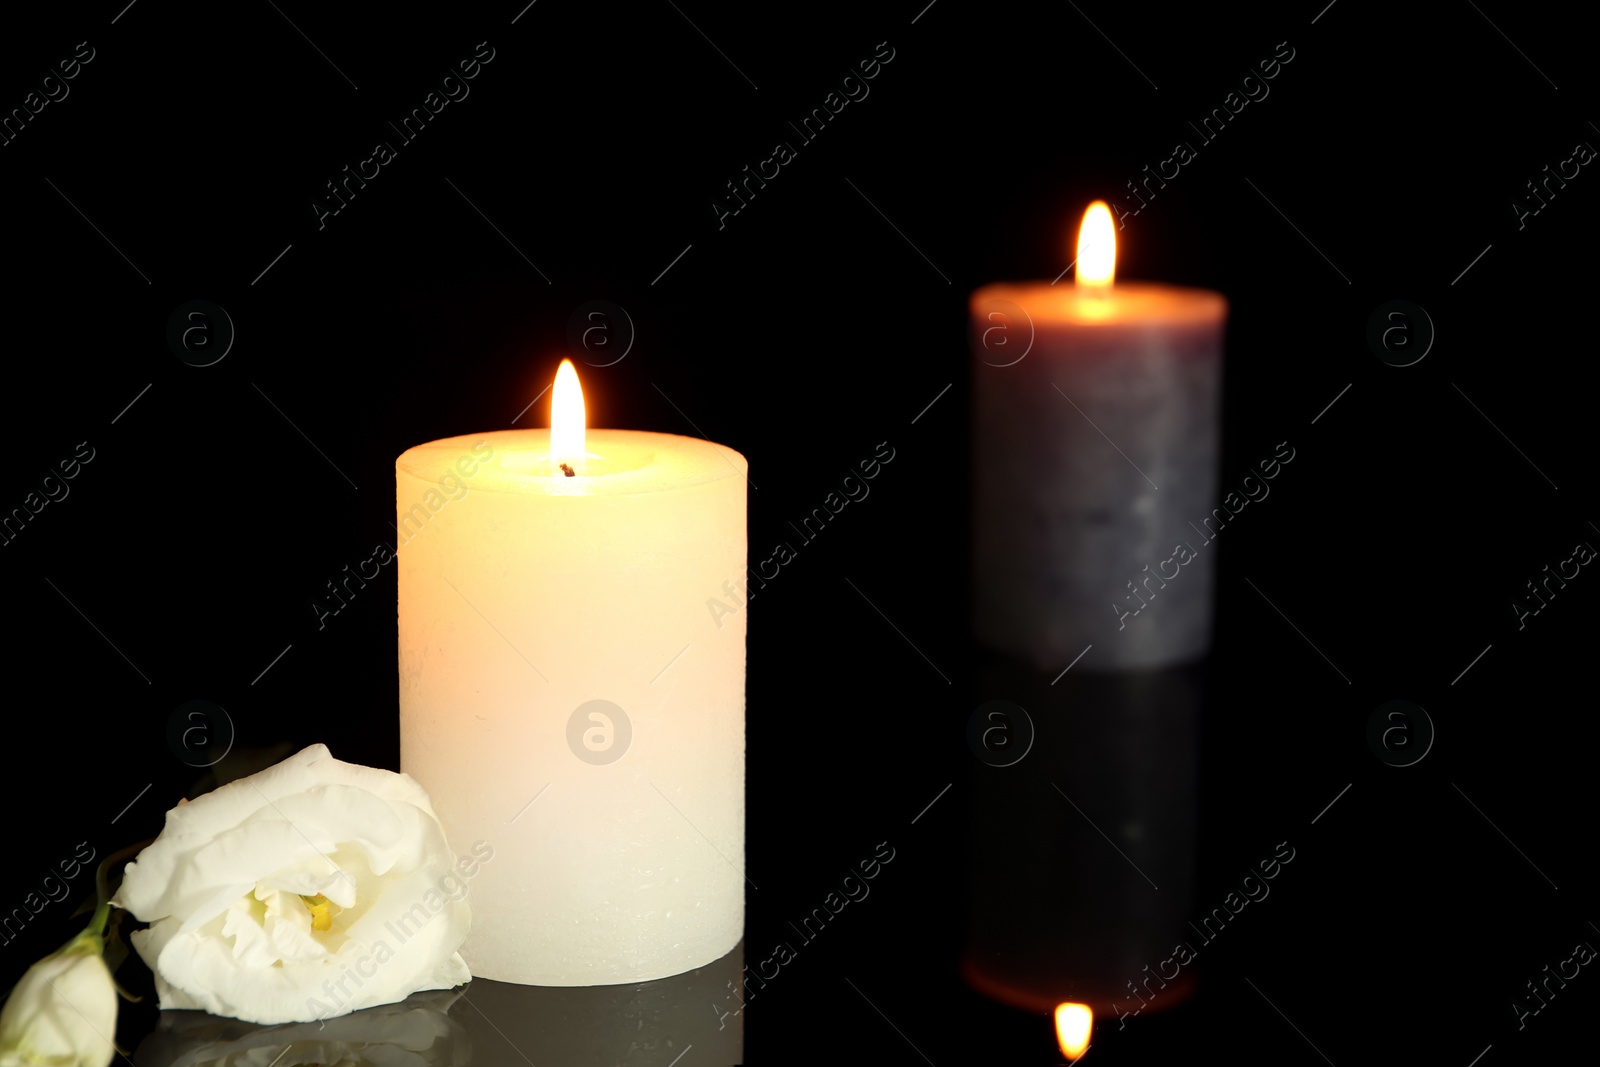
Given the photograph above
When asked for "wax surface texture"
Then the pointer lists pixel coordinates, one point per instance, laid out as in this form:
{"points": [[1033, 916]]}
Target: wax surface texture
{"points": [[524, 597]]}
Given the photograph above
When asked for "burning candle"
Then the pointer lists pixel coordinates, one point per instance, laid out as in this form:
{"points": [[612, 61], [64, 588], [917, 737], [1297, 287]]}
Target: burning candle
{"points": [[1095, 454], [566, 698]]}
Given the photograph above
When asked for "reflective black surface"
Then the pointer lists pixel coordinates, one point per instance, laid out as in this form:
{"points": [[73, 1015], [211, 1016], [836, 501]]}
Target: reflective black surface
{"points": [[485, 1024]]}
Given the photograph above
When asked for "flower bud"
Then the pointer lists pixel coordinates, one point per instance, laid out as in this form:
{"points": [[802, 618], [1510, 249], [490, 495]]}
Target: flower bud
{"points": [[63, 1012]]}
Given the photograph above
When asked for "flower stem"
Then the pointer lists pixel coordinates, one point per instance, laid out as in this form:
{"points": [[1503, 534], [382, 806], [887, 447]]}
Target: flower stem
{"points": [[103, 898]]}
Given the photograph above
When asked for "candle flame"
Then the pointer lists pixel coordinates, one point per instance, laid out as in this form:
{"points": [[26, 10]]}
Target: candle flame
{"points": [[1097, 248], [567, 420], [1073, 1025]]}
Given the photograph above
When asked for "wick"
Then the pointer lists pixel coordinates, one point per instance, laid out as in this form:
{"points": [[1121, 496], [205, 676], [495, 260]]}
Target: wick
{"points": [[568, 471]]}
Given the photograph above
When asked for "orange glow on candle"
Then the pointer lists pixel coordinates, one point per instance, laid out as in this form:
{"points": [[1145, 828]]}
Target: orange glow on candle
{"points": [[1074, 1022], [1097, 249], [567, 419]]}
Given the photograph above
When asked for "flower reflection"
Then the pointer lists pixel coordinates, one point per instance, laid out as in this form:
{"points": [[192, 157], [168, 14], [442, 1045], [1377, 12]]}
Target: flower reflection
{"points": [[417, 1032]]}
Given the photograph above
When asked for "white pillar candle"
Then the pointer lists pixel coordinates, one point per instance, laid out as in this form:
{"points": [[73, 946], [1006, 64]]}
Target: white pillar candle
{"points": [[528, 596]]}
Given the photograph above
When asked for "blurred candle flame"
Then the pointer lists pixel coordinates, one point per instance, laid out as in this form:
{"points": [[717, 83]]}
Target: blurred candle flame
{"points": [[1073, 1025], [567, 420], [1097, 248]]}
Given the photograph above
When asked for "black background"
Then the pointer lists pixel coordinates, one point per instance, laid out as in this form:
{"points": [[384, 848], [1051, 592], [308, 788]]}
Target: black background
{"points": [[819, 321]]}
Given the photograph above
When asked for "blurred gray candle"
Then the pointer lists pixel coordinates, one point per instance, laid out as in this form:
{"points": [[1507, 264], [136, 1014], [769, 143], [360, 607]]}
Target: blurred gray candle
{"points": [[1095, 465]]}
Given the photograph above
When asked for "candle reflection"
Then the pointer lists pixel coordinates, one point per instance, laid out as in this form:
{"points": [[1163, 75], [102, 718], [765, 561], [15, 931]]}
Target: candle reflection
{"points": [[1074, 1027], [639, 1024], [1071, 843]]}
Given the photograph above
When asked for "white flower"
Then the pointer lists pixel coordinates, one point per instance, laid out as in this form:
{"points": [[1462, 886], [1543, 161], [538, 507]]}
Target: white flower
{"points": [[63, 1013], [309, 890]]}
